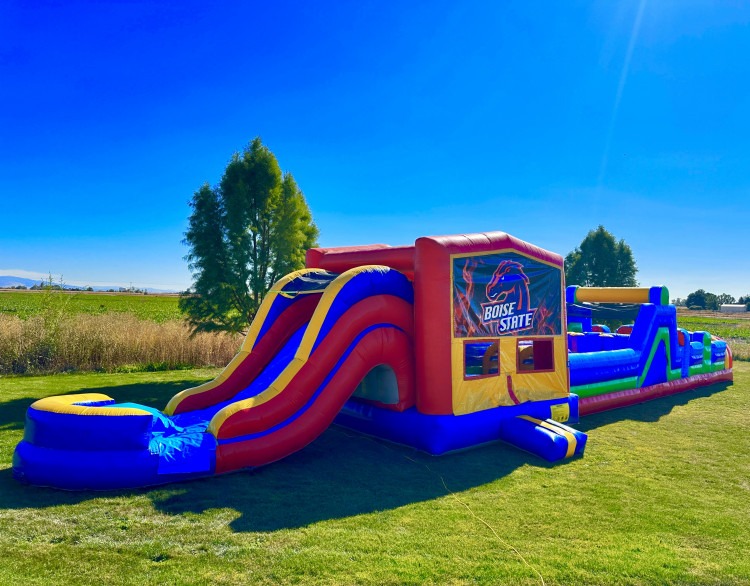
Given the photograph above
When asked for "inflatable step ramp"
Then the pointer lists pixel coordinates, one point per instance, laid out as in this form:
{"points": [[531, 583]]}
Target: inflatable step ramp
{"points": [[546, 438]]}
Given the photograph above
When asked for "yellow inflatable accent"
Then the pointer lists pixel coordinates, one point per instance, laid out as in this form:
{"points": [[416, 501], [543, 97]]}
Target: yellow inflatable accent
{"points": [[224, 375], [560, 412], [612, 294], [559, 430], [300, 358], [472, 394], [265, 306], [68, 404]]}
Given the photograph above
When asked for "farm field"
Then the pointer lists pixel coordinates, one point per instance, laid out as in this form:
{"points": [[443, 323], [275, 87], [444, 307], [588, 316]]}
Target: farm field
{"points": [[161, 308], [735, 329], [660, 497], [26, 304], [50, 331]]}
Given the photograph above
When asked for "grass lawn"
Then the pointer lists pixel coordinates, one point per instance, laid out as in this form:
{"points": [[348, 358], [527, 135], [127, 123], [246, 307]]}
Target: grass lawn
{"points": [[662, 496]]}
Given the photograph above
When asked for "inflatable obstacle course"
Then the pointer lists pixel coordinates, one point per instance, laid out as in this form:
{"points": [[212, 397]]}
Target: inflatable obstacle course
{"points": [[449, 343], [648, 359]]}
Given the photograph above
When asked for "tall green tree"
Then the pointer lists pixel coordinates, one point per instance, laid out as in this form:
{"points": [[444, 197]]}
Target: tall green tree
{"points": [[725, 298], [696, 299], [701, 299], [601, 261], [244, 234]]}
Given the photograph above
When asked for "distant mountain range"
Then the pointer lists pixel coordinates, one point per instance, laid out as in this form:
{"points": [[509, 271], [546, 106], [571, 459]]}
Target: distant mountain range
{"points": [[9, 282]]}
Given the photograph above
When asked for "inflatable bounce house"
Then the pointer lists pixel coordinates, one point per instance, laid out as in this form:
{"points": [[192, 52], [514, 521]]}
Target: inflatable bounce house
{"points": [[450, 343]]}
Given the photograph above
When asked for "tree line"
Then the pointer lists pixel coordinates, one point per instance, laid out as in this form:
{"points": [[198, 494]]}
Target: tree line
{"points": [[705, 300]]}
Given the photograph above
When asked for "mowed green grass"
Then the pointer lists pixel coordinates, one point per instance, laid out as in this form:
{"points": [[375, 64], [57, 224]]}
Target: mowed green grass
{"points": [[662, 496], [25, 304]]}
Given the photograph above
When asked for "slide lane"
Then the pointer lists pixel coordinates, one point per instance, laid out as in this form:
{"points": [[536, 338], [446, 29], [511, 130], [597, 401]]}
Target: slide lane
{"points": [[381, 345], [290, 305], [364, 319]]}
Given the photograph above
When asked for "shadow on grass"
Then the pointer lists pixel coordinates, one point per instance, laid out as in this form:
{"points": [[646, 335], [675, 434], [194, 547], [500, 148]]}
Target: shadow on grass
{"points": [[13, 413], [650, 410], [342, 474]]}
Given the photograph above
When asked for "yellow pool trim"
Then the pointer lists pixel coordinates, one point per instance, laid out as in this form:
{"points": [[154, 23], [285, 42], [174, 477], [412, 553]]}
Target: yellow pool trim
{"points": [[301, 356], [68, 405], [248, 344]]}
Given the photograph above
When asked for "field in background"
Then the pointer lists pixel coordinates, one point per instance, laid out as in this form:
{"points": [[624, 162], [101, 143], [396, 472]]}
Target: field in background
{"points": [[734, 328], [660, 497], [25, 304], [110, 342], [51, 331]]}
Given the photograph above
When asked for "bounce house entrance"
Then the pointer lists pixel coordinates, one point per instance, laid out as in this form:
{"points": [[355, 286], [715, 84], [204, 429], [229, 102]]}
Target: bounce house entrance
{"points": [[379, 386]]}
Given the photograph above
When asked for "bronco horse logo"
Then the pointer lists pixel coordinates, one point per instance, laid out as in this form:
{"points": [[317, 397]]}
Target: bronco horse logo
{"points": [[509, 302], [510, 283]]}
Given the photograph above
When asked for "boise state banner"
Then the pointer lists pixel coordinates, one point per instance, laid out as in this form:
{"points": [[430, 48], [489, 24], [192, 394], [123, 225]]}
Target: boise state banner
{"points": [[505, 294]]}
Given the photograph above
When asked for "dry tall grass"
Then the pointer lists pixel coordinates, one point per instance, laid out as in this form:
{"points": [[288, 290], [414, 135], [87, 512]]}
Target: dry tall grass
{"points": [[60, 342], [740, 349], [106, 342]]}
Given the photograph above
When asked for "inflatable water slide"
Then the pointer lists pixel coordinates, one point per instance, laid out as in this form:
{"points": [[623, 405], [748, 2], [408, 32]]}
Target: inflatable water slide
{"points": [[452, 342], [316, 336]]}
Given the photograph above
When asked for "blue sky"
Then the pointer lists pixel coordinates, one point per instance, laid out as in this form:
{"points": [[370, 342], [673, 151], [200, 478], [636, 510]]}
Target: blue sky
{"points": [[398, 120]]}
